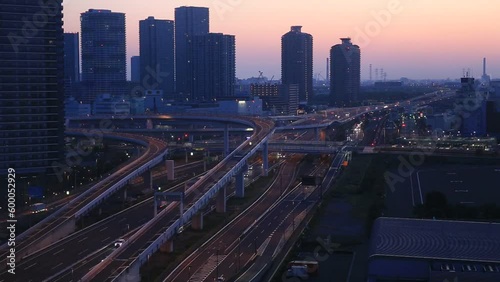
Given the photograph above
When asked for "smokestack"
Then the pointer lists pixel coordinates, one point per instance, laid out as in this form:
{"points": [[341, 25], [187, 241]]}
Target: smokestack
{"points": [[327, 69], [484, 66]]}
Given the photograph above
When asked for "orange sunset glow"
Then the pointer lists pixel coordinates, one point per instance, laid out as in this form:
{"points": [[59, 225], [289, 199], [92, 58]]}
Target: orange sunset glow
{"points": [[415, 39]]}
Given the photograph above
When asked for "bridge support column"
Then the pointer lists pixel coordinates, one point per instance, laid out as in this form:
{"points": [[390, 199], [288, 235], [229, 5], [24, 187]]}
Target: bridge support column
{"points": [[170, 169], [317, 133], [226, 140], [168, 247], [240, 182], [191, 138], [220, 205], [265, 159], [125, 195], [147, 176], [240, 185], [197, 221]]}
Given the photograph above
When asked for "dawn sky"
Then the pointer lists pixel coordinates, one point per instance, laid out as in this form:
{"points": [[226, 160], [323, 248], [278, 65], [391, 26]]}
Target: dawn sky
{"points": [[408, 38]]}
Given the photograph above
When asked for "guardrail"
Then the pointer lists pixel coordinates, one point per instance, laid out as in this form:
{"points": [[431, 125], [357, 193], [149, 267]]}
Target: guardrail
{"points": [[120, 184]]}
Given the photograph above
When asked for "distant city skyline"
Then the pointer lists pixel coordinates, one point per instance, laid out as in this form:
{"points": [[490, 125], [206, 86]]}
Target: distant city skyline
{"points": [[414, 39]]}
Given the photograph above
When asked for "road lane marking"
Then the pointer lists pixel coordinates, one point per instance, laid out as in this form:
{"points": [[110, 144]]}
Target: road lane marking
{"points": [[31, 266], [123, 219], [58, 252], [83, 251], [105, 239], [82, 239], [57, 266], [249, 245], [103, 229], [231, 265]]}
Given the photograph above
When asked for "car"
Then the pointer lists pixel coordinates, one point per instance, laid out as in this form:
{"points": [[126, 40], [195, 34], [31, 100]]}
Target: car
{"points": [[221, 278], [118, 243]]}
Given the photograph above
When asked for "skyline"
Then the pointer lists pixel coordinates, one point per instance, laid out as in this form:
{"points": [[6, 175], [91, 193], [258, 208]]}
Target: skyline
{"points": [[449, 34]]}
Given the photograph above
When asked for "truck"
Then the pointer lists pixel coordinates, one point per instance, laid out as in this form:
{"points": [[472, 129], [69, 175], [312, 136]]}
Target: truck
{"points": [[38, 207], [299, 271]]}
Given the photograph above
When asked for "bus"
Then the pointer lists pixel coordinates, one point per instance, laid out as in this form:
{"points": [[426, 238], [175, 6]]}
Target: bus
{"points": [[312, 266]]}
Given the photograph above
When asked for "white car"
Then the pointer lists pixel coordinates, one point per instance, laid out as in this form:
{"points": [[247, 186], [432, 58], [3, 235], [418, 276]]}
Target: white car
{"points": [[119, 243]]}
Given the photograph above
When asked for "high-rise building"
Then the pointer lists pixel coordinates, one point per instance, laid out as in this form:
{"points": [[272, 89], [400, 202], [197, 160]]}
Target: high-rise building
{"points": [[157, 55], [71, 57], [278, 99], [31, 88], [214, 70], [345, 73], [189, 22], [297, 61], [103, 53], [71, 63], [135, 69]]}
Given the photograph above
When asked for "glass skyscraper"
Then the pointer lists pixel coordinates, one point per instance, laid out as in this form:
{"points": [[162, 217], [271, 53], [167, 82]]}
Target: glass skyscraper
{"points": [[297, 61], [103, 53], [71, 62], [189, 22], [345, 74], [157, 55], [31, 86], [214, 67]]}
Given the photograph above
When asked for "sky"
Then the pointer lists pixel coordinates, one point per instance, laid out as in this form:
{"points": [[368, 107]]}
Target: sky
{"points": [[418, 39]]}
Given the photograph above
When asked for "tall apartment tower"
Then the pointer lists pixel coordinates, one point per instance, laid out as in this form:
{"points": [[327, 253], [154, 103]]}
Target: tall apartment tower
{"points": [[157, 64], [71, 57], [345, 73], [71, 63], [214, 66], [135, 69], [31, 89], [103, 53], [297, 61], [189, 22]]}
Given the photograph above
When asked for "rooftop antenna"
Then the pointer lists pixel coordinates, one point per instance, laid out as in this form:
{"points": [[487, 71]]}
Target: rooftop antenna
{"points": [[484, 66]]}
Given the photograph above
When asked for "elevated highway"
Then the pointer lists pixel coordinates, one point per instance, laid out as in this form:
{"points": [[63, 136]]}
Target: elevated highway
{"points": [[62, 222], [124, 263]]}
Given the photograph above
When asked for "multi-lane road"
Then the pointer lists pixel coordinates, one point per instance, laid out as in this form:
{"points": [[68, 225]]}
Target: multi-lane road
{"points": [[67, 214]]}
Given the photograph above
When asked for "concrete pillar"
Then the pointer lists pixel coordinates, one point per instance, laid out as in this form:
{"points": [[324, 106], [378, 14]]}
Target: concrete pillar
{"points": [[149, 124], [317, 132], [170, 169], [191, 138], [147, 176], [265, 160], [168, 247], [220, 205], [197, 221], [125, 194], [226, 140], [240, 185]]}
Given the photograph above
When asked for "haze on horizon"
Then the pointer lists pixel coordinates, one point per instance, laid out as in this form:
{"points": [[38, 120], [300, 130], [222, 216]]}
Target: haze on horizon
{"points": [[415, 39]]}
